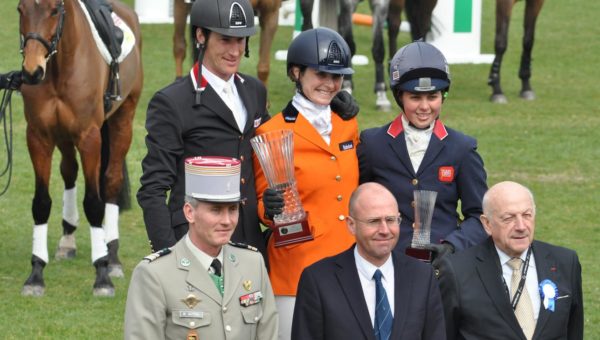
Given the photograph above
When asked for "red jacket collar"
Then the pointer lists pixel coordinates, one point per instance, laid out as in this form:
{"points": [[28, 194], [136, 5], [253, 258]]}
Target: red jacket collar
{"points": [[396, 128]]}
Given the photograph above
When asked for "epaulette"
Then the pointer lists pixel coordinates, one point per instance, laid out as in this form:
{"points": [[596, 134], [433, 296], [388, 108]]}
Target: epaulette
{"points": [[158, 254], [243, 246]]}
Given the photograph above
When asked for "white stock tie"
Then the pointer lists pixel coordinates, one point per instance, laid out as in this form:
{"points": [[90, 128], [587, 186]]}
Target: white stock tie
{"points": [[231, 103], [524, 309]]}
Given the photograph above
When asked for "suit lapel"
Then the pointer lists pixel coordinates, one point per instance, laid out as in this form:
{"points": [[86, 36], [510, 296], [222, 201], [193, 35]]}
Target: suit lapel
{"points": [[490, 273], [212, 101], [398, 144], [402, 289], [233, 277], [248, 100], [305, 130], [546, 269], [347, 276], [196, 277]]}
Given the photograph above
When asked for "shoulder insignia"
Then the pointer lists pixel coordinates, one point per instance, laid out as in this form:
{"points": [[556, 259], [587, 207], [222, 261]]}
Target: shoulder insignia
{"points": [[158, 254], [243, 246]]}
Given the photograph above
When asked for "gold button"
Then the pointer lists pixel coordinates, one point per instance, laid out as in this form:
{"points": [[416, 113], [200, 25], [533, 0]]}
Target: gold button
{"points": [[333, 158], [412, 204], [415, 181], [243, 180], [224, 309], [413, 225], [338, 178], [228, 328], [339, 197], [342, 217], [192, 324], [242, 158], [256, 318]]}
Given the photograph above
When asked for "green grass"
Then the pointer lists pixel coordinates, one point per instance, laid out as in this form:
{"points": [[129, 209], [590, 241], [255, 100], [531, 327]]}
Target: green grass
{"points": [[549, 145]]}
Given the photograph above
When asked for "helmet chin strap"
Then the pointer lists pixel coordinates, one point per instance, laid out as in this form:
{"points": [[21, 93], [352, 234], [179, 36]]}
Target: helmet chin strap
{"points": [[201, 50]]}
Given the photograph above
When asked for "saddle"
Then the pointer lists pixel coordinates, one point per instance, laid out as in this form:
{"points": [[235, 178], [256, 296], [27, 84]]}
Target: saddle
{"points": [[112, 37]]}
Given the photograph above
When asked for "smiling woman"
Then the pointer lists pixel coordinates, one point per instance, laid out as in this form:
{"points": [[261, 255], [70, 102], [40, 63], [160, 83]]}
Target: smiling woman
{"points": [[325, 163]]}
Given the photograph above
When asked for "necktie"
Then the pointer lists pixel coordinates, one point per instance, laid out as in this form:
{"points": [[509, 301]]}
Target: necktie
{"points": [[524, 309], [216, 266], [231, 101], [383, 314]]}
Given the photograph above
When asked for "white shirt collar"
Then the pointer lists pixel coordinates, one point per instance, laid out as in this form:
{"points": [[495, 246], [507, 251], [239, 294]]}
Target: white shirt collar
{"points": [[319, 116], [367, 269], [215, 82]]}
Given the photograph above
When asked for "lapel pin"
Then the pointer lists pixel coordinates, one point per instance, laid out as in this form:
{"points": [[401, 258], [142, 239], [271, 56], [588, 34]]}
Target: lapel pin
{"points": [[185, 262], [247, 285]]}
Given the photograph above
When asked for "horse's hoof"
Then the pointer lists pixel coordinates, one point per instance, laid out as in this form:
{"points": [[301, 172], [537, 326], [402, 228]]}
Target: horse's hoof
{"points": [[115, 270], [65, 254], [67, 249], [33, 290], [382, 103], [104, 291], [528, 95], [498, 99]]}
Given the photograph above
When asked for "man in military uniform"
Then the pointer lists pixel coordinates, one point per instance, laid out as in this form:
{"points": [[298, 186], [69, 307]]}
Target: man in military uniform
{"points": [[204, 287]]}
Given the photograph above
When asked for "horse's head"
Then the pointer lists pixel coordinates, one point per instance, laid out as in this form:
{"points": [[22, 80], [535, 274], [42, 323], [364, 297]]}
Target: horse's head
{"points": [[40, 25]]}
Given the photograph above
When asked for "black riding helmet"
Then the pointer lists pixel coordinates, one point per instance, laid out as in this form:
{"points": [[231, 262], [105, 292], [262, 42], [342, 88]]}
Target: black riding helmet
{"points": [[234, 18], [418, 67], [322, 49]]}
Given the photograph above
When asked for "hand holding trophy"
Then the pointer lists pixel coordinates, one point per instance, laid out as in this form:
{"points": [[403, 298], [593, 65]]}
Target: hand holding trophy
{"points": [[424, 206], [275, 152]]}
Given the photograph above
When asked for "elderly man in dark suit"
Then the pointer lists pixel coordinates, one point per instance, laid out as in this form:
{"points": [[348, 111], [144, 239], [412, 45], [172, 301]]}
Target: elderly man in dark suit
{"points": [[368, 291], [512, 287]]}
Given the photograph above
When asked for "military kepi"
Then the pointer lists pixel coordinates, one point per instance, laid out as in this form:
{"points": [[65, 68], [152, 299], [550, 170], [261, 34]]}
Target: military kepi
{"points": [[213, 179]]}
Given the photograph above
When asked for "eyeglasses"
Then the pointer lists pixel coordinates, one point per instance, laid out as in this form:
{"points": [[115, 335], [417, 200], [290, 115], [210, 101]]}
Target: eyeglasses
{"points": [[390, 221]]}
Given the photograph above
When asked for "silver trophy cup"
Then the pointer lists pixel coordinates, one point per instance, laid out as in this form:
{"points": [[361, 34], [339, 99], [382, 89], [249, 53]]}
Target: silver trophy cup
{"points": [[275, 152], [424, 206]]}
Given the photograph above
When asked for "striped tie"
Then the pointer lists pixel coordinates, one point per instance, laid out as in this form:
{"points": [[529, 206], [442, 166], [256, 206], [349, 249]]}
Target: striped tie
{"points": [[383, 314]]}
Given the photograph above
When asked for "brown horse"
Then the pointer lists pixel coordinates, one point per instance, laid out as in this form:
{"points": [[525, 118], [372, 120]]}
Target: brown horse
{"points": [[268, 16], [503, 12], [66, 78], [418, 13]]}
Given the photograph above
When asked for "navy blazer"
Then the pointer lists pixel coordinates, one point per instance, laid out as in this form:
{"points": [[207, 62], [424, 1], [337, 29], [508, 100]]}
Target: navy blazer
{"points": [[178, 129], [451, 167], [330, 303], [477, 306]]}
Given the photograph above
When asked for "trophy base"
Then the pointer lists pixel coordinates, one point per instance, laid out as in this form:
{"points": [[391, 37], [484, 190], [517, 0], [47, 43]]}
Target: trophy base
{"points": [[420, 254], [291, 233]]}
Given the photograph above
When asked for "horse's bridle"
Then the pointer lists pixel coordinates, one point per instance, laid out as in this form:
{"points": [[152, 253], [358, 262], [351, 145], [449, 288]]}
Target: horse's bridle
{"points": [[49, 45]]}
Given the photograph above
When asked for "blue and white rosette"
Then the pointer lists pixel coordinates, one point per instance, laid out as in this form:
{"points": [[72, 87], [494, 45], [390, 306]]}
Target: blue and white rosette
{"points": [[549, 292]]}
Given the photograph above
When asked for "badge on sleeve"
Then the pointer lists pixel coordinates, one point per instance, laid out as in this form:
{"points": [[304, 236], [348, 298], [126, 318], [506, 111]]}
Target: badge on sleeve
{"points": [[446, 174]]}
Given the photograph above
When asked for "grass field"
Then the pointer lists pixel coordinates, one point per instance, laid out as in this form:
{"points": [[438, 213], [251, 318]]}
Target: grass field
{"points": [[550, 145]]}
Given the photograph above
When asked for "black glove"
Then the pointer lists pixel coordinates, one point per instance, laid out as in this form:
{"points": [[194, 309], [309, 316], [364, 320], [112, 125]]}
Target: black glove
{"points": [[439, 251], [344, 105], [273, 201], [12, 80]]}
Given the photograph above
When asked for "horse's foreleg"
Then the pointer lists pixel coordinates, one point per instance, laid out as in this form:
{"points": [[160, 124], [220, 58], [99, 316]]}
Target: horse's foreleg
{"points": [[268, 27], [532, 10], [40, 151], [394, 20], [180, 13], [344, 24], [306, 7], [70, 215], [379, 8], [120, 129], [503, 11], [93, 206]]}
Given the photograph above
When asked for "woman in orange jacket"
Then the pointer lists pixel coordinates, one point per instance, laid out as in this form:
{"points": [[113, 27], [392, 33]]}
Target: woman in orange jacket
{"points": [[325, 163]]}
